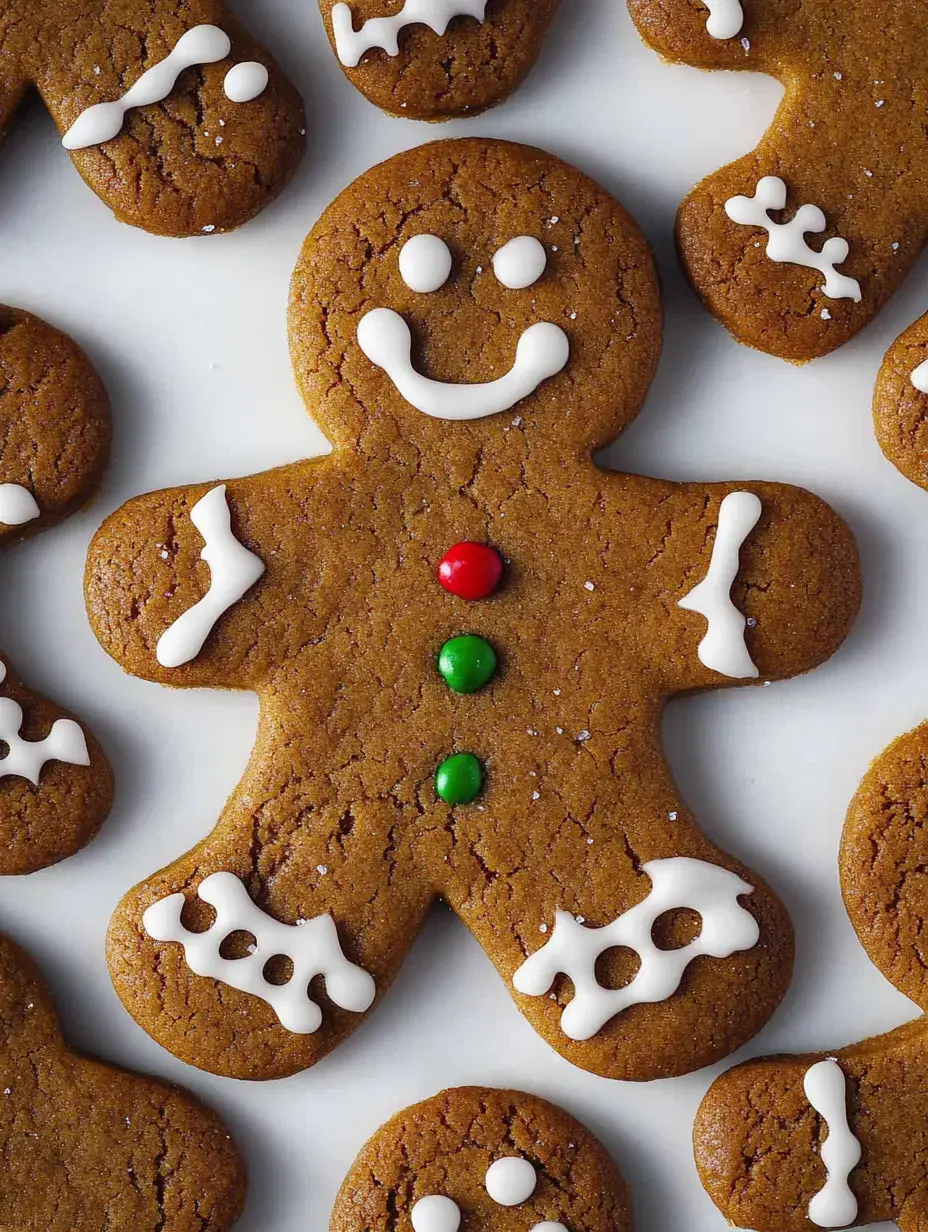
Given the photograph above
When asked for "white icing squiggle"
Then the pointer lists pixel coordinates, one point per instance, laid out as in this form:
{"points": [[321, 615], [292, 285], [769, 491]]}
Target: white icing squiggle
{"points": [[383, 32], [834, 1206], [26, 758], [233, 571], [17, 504], [723, 648], [726, 17], [313, 948], [436, 1214], [573, 949], [786, 241], [920, 378], [542, 352]]}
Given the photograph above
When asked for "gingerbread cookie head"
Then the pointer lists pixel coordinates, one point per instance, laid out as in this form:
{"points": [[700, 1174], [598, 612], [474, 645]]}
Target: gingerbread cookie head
{"points": [[55, 783], [436, 59], [466, 287], [172, 113], [797, 246], [474, 1160]]}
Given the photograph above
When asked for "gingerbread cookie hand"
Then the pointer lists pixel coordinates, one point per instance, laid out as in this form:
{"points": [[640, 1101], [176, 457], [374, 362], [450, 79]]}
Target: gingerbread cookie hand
{"points": [[173, 115], [797, 246]]}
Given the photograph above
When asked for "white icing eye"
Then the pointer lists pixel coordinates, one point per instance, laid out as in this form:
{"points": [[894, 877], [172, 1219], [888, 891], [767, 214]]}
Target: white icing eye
{"points": [[520, 263], [511, 1181], [425, 263]]}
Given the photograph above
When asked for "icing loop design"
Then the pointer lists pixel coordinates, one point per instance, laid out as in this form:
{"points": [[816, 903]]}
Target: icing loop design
{"points": [[383, 32], [425, 263], [834, 1206], [723, 648], [17, 504], [26, 758], [786, 242], [726, 17], [920, 378], [233, 571], [313, 948], [573, 949]]}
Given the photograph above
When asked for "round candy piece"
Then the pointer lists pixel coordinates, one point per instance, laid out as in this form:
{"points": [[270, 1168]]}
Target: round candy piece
{"points": [[467, 663], [470, 570], [459, 778]]}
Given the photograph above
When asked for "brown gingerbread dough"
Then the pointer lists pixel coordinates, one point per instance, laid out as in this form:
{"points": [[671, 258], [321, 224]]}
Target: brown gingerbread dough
{"points": [[338, 812], [900, 406], [847, 138], [86, 1146], [444, 1148], [194, 164], [471, 67], [54, 441]]}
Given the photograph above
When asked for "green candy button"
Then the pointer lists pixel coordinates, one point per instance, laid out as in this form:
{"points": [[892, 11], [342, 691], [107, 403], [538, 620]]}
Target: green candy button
{"points": [[467, 663], [458, 779]]}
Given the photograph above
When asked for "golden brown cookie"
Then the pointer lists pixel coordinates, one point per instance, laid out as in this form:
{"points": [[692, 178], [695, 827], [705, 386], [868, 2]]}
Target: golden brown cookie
{"points": [[173, 114], [483, 1161], [56, 786], [797, 245], [900, 404], [436, 59], [86, 1146], [463, 633]]}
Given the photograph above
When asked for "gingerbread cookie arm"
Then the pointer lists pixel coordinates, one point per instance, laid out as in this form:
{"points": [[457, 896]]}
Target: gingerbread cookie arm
{"points": [[900, 404], [713, 34]]}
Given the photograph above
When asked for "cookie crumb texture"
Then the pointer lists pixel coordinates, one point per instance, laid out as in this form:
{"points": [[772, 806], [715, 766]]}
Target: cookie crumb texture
{"points": [[900, 405], [473, 66], [54, 417], [196, 163], [86, 1146], [847, 138], [445, 1147], [338, 812]]}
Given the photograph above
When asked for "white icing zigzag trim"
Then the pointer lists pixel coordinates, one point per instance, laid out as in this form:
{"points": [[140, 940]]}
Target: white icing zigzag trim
{"points": [[834, 1206], [26, 758], [920, 378], [313, 948], [726, 17], [383, 32], [723, 648], [787, 240], [573, 949]]}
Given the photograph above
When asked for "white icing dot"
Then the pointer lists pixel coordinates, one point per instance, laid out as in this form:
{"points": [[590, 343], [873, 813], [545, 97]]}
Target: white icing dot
{"points": [[839, 76], [425, 263], [436, 1214], [245, 82], [589, 586], [511, 1181], [520, 263]]}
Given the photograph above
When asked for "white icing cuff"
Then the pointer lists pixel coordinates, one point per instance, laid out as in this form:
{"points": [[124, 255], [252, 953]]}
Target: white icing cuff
{"points": [[834, 1206], [384, 32]]}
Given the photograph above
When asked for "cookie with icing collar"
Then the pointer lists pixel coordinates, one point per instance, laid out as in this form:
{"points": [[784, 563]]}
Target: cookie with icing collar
{"points": [[436, 59], [799, 244], [176, 118], [56, 786], [475, 1158], [463, 633]]}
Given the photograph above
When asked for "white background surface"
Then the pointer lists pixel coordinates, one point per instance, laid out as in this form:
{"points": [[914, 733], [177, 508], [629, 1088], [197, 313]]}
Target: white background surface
{"points": [[190, 338]]}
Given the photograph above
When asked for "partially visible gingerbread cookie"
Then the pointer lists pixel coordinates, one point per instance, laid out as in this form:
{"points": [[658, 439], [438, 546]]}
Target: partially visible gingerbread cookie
{"points": [[900, 404], [176, 118], [56, 786], [436, 59], [86, 1146], [477, 1160], [797, 245]]}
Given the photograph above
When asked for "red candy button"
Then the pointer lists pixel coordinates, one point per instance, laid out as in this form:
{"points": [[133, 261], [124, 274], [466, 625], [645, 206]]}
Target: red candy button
{"points": [[470, 570]]}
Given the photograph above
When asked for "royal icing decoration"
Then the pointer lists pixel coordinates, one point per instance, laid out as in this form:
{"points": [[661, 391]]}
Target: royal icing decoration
{"points": [[573, 949], [245, 82], [723, 648], [511, 1181], [383, 32], [920, 378], [786, 242], [520, 263], [26, 758], [233, 571], [726, 17], [17, 504], [834, 1206], [425, 263], [436, 1214], [312, 946]]}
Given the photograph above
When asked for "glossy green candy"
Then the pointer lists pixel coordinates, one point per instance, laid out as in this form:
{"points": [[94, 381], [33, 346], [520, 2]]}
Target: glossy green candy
{"points": [[467, 663], [458, 779]]}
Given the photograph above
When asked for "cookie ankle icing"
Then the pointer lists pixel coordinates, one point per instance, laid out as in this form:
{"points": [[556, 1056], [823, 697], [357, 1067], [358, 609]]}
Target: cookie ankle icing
{"points": [[17, 504], [384, 32], [834, 1206]]}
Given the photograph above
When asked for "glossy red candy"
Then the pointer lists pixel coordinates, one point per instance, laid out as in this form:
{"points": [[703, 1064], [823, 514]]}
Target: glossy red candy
{"points": [[470, 570]]}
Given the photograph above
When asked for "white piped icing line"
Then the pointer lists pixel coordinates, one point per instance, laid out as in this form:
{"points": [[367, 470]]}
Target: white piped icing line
{"points": [[542, 352], [26, 758], [436, 1214], [726, 17], [383, 32], [786, 241], [245, 82], [920, 378], [834, 1206], [723, 648], [511, 1181], [233, 571], [313, 948], [17, 504], [573, 949]]}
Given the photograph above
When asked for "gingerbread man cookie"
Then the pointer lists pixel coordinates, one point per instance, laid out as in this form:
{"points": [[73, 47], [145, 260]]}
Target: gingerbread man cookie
{"points": [[171, 112], [463, 633], [56, 786], [474, 1159], [86, 1146], [436, 59], [797, 245]]}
